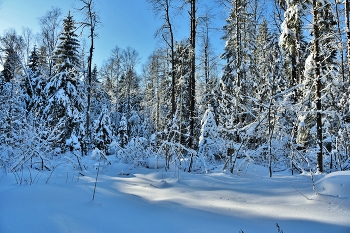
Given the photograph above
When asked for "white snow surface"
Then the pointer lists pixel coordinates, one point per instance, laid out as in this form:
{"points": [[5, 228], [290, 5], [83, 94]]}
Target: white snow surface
{"points": [[154, 200]]}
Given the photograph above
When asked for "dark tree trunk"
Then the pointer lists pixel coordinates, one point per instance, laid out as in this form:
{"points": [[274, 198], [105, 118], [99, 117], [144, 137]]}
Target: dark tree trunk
{"points": [[318, 86], [89, 85], [347, 22], [172, 48], [193, 71], [90, 22], [342, 68]]}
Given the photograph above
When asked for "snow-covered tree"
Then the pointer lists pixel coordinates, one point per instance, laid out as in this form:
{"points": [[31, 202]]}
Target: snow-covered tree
{"points": [[291, 39], [237, 81], [122, 132], [156, 103], [320, 74], [11, 65], [209, 141], [102, 132], [31, 82], [11, 95], [34, 61], [67, 51], [183, 67], [129, 83], [63, 112], [12, 46]]}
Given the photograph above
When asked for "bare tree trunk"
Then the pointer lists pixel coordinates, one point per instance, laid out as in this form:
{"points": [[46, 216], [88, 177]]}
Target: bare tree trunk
{"points": [[172, 49], [294, 73], [90, 21], [271, 128], [347, 25], [299, 63], [318, 85], [193, 71], [342, 68], [238, 43], [206, 62]]}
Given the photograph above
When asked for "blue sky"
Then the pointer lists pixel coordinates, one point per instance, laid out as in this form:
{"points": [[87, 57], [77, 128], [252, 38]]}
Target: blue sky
{"points": [[124, 23]]}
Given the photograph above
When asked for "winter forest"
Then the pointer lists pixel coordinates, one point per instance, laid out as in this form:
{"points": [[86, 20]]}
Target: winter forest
{"points": [[275, 99], [278, 96]]}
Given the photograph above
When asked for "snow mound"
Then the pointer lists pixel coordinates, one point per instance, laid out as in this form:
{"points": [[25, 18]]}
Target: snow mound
{"points": [[336, 184], [161, 184]]}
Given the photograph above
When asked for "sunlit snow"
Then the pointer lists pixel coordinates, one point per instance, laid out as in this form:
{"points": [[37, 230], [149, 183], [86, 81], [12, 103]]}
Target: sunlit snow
{"points": [[155, 200]]}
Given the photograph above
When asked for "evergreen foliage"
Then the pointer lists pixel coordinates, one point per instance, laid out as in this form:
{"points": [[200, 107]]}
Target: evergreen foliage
{"points": [[102, 133], [210, 145], [67, 51], [64, 105]]}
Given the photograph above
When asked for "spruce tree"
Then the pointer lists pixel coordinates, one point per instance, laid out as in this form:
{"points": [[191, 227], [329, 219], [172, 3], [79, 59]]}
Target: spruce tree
{"points": [[209, 141], [122, 132], [67, 51], [63, 113], [34, 61], [102, 133], [30, 83]]}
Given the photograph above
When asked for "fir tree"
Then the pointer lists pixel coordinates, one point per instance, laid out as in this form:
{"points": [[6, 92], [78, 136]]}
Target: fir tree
{"points": [[31, 83], [209, 141], [103, 135], [34, 61], [122, 132], [67, 51], [64, 96], [63, 113]]}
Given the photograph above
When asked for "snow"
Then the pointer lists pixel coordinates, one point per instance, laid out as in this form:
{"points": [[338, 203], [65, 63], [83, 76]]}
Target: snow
{"points": [[336, 184], [131, 199]]}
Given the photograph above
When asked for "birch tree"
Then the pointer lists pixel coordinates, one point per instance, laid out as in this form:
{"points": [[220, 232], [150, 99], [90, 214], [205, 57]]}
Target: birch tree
{"points": [[50, 29], [166, 31]]}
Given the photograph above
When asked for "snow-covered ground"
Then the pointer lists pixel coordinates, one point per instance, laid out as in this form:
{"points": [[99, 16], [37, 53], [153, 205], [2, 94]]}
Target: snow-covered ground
{"points": [[155, 200]]}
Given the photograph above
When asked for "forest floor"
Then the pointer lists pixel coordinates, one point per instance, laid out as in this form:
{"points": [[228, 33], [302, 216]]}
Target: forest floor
{"points": [[154, 200]]}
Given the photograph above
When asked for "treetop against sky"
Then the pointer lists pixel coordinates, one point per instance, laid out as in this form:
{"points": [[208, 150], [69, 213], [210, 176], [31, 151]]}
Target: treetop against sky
{"points": [[123, 23]]}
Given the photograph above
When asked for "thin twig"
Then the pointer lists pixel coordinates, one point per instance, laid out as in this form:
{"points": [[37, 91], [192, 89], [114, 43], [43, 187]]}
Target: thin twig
{"points": [[299, 191], [98, 170]]}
